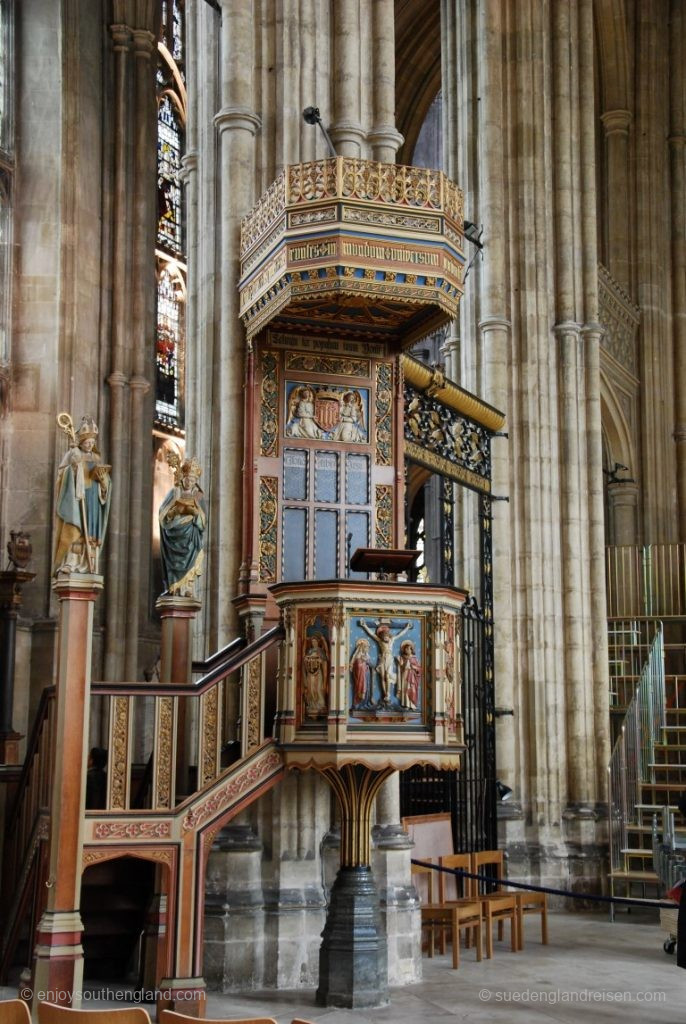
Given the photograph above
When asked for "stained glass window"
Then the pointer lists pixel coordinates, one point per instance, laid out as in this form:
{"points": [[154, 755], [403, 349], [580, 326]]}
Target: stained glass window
{"points": [[169, 348], [171, 265], [169, 218], [172, 29]]}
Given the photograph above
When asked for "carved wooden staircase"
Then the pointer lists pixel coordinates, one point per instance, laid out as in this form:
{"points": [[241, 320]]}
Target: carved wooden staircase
{"points": [[175, 830]]}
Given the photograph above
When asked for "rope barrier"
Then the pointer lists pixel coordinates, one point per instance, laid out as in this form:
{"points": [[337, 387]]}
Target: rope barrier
{"points": [[594, 898]]}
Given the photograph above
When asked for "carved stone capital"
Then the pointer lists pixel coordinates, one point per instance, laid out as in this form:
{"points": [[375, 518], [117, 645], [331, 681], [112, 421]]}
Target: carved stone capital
{"points": [[347, 131], [624, 492], [386, 135], [117, 379], [189, 165], [237, 118], [121, 36], [494, 323], [143, 43], [616, 122], [139, 384], [567, 328]]}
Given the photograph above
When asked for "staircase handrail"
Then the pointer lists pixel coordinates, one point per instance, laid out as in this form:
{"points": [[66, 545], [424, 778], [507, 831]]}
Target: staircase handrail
{"points": [[231, 662], [204, 665], [633, 755], [39, 720]]}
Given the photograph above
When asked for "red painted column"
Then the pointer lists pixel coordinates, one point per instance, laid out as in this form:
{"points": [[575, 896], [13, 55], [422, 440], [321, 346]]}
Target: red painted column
{"points": [[58, 968]]}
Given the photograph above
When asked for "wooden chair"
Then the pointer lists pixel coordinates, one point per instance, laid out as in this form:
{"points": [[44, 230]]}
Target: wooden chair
{"points": [[174, 1017], [448, 918], [532, 903], [498, 904], [451, 887], [14, 1011], [50, 1013]]}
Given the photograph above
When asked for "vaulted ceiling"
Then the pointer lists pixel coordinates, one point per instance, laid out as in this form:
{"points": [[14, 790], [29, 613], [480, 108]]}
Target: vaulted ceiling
{"points": [[417, 66]]}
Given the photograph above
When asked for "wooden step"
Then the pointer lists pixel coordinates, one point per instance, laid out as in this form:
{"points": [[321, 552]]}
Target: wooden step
{"points": [[634, 876]]}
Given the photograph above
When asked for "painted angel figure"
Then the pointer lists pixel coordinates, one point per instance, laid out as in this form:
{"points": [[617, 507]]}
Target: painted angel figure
{"points": [[384, 640], [83, 496], [409, 676], [351, 425], [183, 518], [315, 673], [300, 420]]}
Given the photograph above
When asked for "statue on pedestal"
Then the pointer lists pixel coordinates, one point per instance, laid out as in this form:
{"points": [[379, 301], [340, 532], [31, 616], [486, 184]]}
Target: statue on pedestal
{"points": [[83, 495], [183, 518]]}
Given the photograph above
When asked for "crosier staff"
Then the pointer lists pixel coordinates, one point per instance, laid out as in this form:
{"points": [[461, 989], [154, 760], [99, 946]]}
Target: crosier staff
{"points": [[65, 422]]}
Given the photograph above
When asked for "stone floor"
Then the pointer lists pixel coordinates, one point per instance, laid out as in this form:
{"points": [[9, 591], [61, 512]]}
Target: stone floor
{"points": [[591, 971]]}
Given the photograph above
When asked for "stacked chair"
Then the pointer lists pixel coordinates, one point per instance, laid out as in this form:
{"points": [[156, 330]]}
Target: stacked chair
{"points": [[443, 895], [447, 917]]}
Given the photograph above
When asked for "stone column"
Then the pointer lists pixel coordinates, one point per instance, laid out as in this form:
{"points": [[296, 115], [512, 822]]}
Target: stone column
{"points": [[495, 330], [656, 351], [59, 953], [237, 124], [234, 910], [385, 139], [11, 583], [397, 896], [347, 132], [118, 377], [623, 499], [677, 165], [142, 330], [616, 124]]}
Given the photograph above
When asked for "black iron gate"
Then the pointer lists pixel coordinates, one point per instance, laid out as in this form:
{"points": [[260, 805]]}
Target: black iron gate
{"points": [[470, 793]]}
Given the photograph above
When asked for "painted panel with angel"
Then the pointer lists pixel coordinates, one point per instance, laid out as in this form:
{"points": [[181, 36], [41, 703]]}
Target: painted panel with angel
{"points": [[327, 413]]}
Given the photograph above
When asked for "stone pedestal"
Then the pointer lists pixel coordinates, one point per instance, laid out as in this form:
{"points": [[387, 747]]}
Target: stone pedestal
{"points": [[59, 953], [353, 960], [11, 583]]}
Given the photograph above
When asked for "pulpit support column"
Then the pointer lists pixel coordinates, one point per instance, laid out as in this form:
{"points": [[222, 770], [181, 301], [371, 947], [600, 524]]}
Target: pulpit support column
{"points": [[353, 959]]}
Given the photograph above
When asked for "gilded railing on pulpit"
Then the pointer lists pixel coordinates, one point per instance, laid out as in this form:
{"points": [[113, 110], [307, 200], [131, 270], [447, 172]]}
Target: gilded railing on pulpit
{"points": [[28, 822], [182, 730], [418, 188]]}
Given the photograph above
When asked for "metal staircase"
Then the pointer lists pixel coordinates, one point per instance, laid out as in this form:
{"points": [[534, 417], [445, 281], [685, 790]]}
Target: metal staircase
{"points": [[647, 772]]}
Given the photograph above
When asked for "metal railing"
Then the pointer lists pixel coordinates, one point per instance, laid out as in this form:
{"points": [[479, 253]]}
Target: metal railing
{"points": [[633, 756], [647, 580]]}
